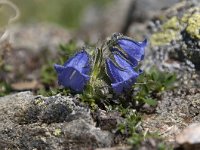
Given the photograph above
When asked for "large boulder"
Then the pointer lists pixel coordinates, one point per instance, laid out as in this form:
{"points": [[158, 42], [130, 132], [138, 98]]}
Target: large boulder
{"points": [[176, 33], [57, 122]]}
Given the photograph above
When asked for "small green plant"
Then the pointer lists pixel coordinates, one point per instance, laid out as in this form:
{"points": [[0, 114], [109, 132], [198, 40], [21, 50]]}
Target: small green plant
{"points": [[53, 91], [48, 75], [136, 140], [66, 50], [4, 89], [129, 128], [152, 83], [134, 136], [131, 120]]}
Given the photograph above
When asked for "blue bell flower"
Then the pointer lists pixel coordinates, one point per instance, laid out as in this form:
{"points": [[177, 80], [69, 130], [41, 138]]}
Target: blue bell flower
{"points": [[122, 78], [74, 74], [134, 50]]}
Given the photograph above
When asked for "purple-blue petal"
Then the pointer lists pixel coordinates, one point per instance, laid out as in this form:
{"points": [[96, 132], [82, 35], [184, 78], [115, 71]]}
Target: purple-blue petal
{"points": [[73, 79], [134, 50], [133, 61], [119, 74], [58, 68], [119, 87], [80, 60], [74, 74], [122, 79]]}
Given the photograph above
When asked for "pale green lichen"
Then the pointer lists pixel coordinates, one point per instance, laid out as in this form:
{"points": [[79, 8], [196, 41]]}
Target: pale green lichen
{"points": [[169, 31], [39, 102], [172, 23], [57, 132], [185, 18], [193, 26], [188, 14], [163, 37]]}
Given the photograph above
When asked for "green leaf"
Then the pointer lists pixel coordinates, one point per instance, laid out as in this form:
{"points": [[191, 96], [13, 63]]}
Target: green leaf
{"points": [[150, 101]]}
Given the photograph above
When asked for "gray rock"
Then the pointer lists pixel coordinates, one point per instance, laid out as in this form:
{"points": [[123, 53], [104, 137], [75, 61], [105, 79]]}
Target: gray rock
{"points": [[99, 23], [189, 138], [169, 47], [176, 110], [125, 16], [57, 122], [175, 34], [116, 148], [30, 45], [37, 37]]}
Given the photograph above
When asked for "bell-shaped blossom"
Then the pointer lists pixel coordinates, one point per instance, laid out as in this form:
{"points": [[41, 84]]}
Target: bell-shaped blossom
{"points": [[122, 76], [134, 50], [74, 74]]}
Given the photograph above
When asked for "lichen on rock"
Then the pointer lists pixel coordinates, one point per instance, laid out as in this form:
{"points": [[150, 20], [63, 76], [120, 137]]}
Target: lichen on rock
{"points": [[163, 37], [176, 34], [173, 27], [193, 26], [170, 30]]}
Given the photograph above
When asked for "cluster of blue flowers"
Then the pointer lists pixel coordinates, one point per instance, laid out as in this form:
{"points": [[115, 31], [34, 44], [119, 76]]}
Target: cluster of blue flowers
{"points": [[75, 73]]}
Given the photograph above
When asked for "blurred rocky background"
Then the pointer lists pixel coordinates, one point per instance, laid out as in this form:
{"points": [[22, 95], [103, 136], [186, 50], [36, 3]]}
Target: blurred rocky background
{"points": [[33, 38]]}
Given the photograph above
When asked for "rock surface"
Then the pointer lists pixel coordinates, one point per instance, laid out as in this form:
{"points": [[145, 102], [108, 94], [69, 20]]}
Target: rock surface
{"points": [[57, 122], [177, 53], [190, 135], [32, 46], [177, 33], [38, 36], [172, 47], [176, 110], [189, 139], [124, 16]]}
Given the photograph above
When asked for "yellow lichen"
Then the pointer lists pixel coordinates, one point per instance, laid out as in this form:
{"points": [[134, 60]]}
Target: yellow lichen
{"points": [[39, 101], [172, 23], [185, 17], [164, 37], [169, 31], [193, 26], [57, 132]]}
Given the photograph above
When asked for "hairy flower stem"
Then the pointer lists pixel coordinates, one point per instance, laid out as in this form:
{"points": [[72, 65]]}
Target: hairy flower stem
{"points": [[96, 71]]}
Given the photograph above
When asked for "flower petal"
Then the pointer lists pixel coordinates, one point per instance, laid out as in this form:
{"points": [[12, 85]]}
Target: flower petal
{"points": [[134, 50], [78, 82], [122, 79], [118, 74], [110, 70], [73, 79], [58, 68], [119, 87], [133, 62], [74, 73], [80, 60]]}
